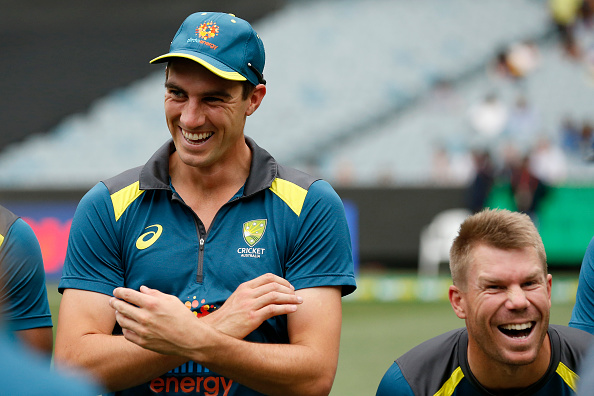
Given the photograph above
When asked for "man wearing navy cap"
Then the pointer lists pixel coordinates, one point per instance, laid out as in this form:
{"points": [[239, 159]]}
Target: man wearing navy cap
{"points": [[226, 268]]}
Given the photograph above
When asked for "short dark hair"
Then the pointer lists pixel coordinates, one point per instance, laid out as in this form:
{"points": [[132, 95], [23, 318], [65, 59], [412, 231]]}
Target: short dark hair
{"points": [[247, 89]]}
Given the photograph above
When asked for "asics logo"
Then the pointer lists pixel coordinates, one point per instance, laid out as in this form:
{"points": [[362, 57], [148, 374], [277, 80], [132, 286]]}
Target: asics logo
{"points": [[149, 237]]}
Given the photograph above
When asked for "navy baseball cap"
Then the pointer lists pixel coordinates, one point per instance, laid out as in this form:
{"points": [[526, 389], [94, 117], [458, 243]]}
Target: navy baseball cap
{"points": [[226, 45]]}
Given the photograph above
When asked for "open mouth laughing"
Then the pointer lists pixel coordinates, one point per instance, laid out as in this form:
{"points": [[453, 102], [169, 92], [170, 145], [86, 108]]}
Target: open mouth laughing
{"points": [[197, 138], [517, 330]]}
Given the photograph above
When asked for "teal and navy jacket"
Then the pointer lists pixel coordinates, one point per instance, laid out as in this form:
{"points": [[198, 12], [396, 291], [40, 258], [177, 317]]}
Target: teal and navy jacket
{"points": [[134, 230], [439, 367], [23, 293]]}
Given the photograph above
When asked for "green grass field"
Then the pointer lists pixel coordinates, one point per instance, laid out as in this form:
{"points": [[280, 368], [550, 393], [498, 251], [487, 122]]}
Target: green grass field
{"points": [[376, 333]]}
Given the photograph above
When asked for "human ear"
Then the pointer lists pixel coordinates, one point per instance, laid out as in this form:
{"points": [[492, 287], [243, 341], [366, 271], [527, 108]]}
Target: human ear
{"points": [[549, 285], [255, 99], [457, 300]]}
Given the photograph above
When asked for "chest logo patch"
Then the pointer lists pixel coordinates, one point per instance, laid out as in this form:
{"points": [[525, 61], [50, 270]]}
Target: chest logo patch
{"points": [[253, 231], [149, 237]]}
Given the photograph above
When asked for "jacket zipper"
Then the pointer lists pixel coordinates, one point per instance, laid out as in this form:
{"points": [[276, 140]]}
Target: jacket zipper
{"points": [[199, 274], [202, 235]]}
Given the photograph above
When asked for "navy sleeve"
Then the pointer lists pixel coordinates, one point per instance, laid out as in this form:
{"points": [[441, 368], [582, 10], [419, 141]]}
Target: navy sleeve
{"points": [[394, 383], [323, 255], [23, 301], [582, 316]]}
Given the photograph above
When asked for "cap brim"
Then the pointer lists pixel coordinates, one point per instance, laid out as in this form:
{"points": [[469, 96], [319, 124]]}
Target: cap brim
{"points": [[226, 74]]}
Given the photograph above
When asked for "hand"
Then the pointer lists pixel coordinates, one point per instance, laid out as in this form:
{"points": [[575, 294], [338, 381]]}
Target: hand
{"points": [[154, 320], [252, 303]]}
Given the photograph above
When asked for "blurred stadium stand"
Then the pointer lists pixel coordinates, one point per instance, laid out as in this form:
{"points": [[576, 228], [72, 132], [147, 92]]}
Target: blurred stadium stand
{"points": [[337, 71], [364, 93], [60, 56]]}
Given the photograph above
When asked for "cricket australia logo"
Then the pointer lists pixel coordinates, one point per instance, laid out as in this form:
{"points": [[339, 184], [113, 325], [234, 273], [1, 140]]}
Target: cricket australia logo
{"points": [[253, 231]]}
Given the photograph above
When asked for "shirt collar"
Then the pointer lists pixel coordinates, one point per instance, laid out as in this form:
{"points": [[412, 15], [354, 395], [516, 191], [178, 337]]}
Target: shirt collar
{"points": [[263, 169]]}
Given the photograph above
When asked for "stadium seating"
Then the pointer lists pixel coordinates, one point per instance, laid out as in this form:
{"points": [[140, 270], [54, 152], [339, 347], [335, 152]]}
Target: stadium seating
{"points": [[348, 82]]}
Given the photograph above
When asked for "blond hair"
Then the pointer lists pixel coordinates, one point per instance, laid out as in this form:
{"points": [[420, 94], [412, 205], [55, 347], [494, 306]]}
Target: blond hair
{"points": [[498, 228]]}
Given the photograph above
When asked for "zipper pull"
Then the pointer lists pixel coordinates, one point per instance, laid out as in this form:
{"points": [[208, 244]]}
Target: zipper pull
{"points": [[201, 244]]}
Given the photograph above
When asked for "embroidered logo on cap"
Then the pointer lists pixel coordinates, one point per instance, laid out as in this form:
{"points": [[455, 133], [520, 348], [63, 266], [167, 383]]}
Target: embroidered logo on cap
{"points": [[207, 30]]}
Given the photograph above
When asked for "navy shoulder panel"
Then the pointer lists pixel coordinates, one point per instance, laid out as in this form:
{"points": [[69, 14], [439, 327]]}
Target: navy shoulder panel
{"points": [[575, 344], [123, 180], [295, 176], [429, 365], [7, 219]]}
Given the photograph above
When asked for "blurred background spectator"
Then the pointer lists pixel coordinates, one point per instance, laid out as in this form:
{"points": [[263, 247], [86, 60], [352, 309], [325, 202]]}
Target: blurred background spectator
{"points": [[484, 178], [528, 190], [489, 117], [523, 122], [565, 14]]}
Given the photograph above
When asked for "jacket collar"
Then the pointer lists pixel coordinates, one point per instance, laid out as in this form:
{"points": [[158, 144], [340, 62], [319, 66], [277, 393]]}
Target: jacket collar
{"points": [[263, 169]]}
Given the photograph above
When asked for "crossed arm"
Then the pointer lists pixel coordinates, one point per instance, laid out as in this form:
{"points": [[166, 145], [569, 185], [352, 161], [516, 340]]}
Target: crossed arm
{"points": [[160, 333]]}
